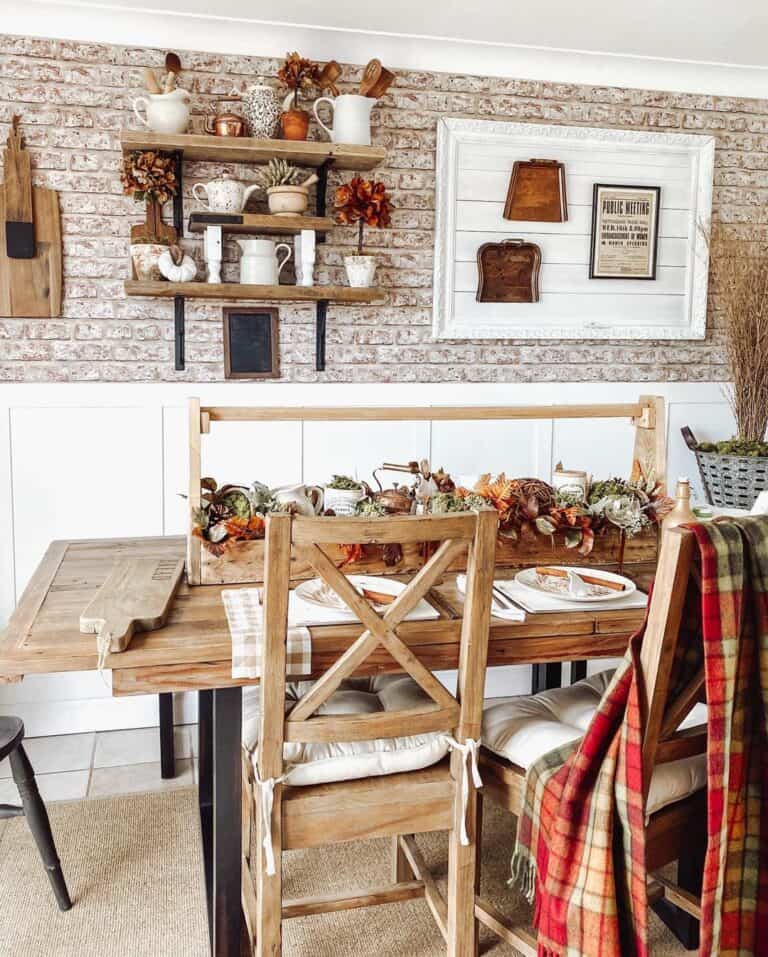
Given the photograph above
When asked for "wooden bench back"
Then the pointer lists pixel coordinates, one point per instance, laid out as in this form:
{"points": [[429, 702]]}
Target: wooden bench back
{"points": [[665, 706], [460, 715]]}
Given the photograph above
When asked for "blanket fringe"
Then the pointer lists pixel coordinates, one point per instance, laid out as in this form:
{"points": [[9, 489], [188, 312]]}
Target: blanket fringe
{"points": [[524, 873]]}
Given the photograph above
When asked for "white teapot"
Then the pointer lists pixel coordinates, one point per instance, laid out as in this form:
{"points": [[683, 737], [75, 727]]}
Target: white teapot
{"points": [[351, 118], [259, 263], [225, 195]]}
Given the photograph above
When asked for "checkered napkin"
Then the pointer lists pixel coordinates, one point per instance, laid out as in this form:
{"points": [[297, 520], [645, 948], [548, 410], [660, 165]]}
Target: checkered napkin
{"points": [[245, 616]]}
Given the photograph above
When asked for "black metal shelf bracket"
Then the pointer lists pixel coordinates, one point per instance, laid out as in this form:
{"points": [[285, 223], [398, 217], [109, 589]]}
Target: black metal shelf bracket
{"points": [[321, 312], [179, 332], [322, 189]]}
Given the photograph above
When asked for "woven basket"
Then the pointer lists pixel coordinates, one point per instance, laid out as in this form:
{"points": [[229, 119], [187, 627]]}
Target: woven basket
{"points": [[732, 481]]}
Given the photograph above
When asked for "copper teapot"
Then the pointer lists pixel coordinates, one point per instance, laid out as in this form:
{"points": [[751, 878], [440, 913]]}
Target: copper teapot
{"points": [[225, 124], [398, 499]]}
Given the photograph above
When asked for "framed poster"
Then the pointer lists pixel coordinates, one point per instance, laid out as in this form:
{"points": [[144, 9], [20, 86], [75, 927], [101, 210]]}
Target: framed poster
{"points": [[250, 344], [625, 232]]}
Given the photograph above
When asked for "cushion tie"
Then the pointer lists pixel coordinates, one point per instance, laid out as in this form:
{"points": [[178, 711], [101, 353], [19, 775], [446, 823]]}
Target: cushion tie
{"points": [[469, 754], [266, 805]]}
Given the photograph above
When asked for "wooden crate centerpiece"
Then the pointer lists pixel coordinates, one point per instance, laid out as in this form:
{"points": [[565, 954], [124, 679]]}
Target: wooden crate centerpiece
{"points": [[243, 561]]}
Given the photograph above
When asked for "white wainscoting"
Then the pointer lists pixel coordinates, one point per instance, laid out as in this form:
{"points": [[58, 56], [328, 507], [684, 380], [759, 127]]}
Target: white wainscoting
{"points": [[106, 460]]}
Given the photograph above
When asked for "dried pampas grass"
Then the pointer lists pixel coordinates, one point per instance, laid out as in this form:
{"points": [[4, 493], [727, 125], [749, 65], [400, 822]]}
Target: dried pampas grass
{"points": [[740, 280]]}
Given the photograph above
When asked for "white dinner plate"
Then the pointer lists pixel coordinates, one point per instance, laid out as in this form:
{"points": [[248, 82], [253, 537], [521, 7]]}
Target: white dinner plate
{"points": [[558, 587], [316, 592]]}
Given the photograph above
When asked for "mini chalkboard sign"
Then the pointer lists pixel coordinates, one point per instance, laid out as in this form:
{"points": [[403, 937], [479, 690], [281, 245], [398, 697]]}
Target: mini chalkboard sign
{"points": [[250, 344]]}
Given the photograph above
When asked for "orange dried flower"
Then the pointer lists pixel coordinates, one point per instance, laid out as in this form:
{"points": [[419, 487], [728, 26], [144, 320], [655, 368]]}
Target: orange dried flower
{"points": [[298, 73], [365, 202]]}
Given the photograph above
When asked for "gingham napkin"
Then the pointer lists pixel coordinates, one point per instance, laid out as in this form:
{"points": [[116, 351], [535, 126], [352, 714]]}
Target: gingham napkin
{"points": [[245, 617]]}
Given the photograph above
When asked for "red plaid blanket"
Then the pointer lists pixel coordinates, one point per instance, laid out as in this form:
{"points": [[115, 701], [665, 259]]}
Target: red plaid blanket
{"points": [[580, 851]]}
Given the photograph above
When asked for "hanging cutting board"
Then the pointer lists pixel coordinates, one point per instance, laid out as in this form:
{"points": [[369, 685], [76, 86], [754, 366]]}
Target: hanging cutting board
{"points": [[30, 242], [137, 596]]}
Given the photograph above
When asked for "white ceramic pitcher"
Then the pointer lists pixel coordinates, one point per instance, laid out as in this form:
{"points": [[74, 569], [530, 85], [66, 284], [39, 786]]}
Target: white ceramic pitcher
{"points": [[259, 263], [351, 118], [165, 112]]}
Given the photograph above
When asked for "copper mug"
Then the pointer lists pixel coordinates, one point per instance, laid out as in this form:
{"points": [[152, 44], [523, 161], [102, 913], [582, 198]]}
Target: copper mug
{"points": [[225, 124]]}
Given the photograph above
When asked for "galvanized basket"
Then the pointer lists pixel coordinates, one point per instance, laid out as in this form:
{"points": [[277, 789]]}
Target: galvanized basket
{"points": [[732, 481]]}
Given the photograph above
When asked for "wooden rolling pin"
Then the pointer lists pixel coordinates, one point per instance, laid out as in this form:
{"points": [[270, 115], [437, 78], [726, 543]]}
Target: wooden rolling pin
{"points": [[588, 579]]}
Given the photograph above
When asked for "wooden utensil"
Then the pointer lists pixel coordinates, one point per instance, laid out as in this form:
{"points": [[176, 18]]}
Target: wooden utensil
{"points": [[153, 229], [173, 68], [150, 81], [376, 79], [137, 596], [589, 579], [30, 249], [327, 79]]}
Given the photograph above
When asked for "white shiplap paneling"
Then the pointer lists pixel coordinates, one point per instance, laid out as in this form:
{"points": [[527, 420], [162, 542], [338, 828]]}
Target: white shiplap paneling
{"points": [[474, 164]]}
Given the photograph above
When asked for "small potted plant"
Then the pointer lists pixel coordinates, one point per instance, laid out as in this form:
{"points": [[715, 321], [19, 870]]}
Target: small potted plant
{"points": [[150, 177], [296, 74], [286, 196], [342, 494], [366, 203], [735, 471]]}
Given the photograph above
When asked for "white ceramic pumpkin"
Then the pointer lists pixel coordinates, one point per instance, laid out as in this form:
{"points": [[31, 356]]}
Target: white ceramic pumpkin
{"points": [[176, 266]]}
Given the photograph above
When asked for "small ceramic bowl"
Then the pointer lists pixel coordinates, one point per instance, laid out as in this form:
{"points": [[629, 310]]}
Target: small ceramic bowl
{"points": [[287, 200]]}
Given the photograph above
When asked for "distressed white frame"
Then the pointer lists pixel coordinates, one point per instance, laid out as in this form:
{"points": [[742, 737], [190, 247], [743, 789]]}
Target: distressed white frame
{"points": [[543, 140]]}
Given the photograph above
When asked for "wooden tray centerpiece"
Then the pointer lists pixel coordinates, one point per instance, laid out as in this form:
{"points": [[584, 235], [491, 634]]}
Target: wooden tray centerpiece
{"points": [[525, 539]]}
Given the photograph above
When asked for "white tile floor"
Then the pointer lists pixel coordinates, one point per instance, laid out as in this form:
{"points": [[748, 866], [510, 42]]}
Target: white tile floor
{"points": [[98, 764]]}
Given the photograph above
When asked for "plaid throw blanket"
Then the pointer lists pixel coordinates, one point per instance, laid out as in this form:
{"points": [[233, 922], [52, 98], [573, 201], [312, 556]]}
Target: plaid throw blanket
{"points": [[580, 852]]}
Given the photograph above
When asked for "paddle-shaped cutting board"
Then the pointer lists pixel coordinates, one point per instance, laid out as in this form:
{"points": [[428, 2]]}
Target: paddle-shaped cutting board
{"points": [[137, 596], [30, 239]]}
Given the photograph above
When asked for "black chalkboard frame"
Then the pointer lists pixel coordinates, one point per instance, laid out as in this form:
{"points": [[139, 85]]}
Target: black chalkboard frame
{"points": [[268, 316]]}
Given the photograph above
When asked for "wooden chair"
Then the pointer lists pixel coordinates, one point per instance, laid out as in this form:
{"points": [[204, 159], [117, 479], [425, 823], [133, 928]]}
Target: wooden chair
{"points": [[677, 831], [11, 747], [439, 797]]}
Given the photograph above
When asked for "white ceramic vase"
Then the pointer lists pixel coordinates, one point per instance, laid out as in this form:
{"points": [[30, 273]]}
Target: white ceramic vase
{"points": [[360, 270], [261, 109], [342, 500], [145, 258]]}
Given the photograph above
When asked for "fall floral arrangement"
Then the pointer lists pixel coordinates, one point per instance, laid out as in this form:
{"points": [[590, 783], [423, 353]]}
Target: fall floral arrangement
{"points": [[298, 74], [149, 176], [364, 202], [527, 508]]}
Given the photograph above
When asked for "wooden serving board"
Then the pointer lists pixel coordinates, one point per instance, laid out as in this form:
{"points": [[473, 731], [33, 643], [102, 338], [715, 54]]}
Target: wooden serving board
{"points": [[30, 244], [137, 596]]}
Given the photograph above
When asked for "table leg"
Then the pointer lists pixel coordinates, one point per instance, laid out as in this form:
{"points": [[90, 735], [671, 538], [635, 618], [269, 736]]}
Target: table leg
{"points": [[546, 676], [578, 671], [220, 717], [167, 750]]}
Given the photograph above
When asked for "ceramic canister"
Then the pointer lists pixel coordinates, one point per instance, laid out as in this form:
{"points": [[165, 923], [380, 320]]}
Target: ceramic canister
{"points": [[261, 109]]}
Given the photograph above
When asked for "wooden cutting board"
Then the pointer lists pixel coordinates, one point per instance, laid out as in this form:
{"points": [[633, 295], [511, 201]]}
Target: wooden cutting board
{"points": [[137, 596], [30, 240]]}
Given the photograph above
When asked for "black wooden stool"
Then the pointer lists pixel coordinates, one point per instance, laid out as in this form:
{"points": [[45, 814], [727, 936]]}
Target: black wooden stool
{"points": [[11, 736]]}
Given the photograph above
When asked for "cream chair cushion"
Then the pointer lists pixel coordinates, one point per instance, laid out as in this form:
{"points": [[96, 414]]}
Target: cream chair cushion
{"points": [[324, 763], [522, 729]]}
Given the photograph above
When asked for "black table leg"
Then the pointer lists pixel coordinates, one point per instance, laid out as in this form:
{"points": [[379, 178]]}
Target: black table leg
{"points": [[578, 671], [220, 815], [546, 676], [167, 751]]}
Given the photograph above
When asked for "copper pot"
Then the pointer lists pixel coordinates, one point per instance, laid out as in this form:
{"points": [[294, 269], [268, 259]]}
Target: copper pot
{"points": [[396, 500], [225, 124]]}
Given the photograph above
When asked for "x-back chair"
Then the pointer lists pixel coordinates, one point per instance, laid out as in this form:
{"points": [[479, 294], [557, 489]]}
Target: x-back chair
{"points": [[674, 745], [440, 796]]}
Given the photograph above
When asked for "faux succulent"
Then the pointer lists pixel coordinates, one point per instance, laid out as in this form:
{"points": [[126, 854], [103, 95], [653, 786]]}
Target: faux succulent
{"points": [[277, 172]]}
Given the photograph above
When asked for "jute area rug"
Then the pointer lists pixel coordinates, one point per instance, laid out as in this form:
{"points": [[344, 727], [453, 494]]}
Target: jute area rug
{"points": [[134, 868]]}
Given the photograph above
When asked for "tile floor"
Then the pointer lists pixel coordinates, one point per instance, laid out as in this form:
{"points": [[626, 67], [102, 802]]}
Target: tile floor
{"points": [[98, 764]]}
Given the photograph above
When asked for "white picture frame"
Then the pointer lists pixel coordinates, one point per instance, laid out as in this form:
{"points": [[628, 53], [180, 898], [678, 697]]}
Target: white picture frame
{"points": [[474, 163]]}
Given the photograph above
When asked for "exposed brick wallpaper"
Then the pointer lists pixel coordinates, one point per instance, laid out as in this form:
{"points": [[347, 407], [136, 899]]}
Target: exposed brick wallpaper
{"points": [[75, 98]]}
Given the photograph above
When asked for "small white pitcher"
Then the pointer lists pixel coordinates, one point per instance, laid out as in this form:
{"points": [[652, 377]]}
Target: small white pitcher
{"points": [[165, 112], [302, 499], [351, 118], [259, 264]]}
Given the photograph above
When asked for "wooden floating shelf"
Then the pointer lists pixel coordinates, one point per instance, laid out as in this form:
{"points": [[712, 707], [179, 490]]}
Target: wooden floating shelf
{"points": [[234, 290], [259, 223], [241, 149]]}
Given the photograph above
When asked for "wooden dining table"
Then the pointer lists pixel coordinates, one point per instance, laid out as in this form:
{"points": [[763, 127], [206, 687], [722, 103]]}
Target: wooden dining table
{"points": [[193, 652]]}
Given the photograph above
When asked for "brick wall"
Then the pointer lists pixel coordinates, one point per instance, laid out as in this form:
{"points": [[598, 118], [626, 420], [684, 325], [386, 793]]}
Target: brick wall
{"points": [[76, 97]]}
